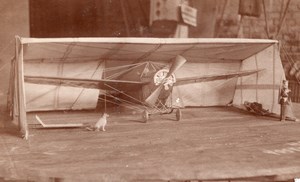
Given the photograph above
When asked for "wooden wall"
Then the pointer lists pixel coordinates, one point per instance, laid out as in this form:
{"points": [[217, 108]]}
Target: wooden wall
{"points": [[88, 18]]}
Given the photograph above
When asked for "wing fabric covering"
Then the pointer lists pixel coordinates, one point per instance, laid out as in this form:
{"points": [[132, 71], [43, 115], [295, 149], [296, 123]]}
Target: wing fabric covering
{"points": [[206, 78], [85, 83]]}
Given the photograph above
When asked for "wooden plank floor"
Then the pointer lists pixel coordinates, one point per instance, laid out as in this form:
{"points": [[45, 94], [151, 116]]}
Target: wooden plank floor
{"points": [[209, 143]]}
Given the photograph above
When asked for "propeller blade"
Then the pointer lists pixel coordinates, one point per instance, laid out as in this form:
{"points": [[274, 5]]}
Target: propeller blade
{"points": [[151, 100], [177, 63]]}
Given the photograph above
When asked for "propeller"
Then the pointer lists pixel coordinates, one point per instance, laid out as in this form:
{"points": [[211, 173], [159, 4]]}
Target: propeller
{"points": [[177, 63], [154, 96]]}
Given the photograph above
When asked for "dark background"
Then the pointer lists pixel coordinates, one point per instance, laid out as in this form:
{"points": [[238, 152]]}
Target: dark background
{"points": [[88, 18]]}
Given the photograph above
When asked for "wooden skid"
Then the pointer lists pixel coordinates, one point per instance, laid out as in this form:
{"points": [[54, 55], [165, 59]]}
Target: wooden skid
{"points": [[69, 125]]}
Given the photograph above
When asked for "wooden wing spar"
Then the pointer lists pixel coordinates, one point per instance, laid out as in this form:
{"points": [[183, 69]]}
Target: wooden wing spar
{"points": [[206, 78]]}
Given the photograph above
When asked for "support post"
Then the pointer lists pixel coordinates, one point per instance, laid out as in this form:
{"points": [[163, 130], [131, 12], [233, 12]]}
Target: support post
{"points": [[20, 90]]}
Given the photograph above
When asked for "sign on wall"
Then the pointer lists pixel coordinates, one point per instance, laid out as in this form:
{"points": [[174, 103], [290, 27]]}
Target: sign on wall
{"points": [[189, 15]]}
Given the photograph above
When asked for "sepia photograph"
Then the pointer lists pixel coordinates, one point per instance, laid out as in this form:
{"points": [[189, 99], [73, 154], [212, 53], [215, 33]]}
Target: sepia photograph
{"points": [[149, 90]]}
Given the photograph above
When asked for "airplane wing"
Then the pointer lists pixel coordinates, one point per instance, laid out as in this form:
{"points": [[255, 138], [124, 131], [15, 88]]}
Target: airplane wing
{"points": [[206, 78], [104, 84]]}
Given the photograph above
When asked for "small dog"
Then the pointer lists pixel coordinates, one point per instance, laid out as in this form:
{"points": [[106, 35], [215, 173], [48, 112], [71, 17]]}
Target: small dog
{"points": [[100, 123]]}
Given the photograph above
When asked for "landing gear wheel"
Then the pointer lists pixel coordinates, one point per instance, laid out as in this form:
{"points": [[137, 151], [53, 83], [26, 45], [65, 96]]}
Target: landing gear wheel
{"points": [[146, 116], [178, 114]]}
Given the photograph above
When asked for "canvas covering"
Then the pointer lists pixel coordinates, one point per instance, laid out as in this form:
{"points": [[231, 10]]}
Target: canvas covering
{"points": [[73, 58], [89, 57]]}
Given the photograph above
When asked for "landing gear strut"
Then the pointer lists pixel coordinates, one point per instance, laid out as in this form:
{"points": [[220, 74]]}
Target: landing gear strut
{"points": [[178, 114], [146, 116]]}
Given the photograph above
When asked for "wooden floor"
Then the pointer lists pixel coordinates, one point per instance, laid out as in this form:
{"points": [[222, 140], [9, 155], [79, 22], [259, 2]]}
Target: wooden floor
{"points": [[214, 143]]}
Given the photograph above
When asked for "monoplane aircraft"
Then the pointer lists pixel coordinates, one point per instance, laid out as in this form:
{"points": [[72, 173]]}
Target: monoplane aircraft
{"points": [[156, 84]]}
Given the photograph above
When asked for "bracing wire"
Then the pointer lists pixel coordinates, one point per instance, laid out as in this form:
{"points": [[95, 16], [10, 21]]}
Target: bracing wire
{"points": [[142, 103], [126, 70], [125, 106], [99, 64], [120, 67], [117, 74], [125, 94], [129, 104]]}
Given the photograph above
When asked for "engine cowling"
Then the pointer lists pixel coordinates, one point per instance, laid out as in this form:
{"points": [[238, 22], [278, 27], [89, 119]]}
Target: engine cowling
{"points": [[160, 78]]}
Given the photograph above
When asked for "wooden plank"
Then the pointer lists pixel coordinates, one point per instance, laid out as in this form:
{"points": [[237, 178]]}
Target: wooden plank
{"points": [[65, 125]]}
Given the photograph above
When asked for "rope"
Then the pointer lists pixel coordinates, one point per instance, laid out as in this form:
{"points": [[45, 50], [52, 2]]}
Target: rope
{"points": [[266, 20], [283, 18], [256, 80], [221, 19], [145, 16], [125, 19], [240, 26], [289, 59]]}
